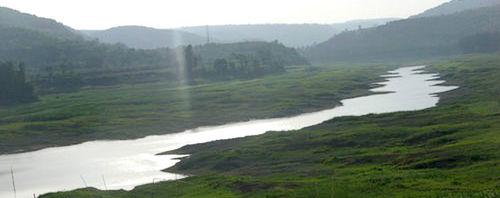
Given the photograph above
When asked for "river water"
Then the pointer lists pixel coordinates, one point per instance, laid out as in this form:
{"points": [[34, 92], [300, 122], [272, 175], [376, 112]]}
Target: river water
{"points": [[125, 164]]}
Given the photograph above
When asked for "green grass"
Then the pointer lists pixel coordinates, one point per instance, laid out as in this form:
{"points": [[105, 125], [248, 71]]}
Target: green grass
{"points": [[134, 111], [448, 151]]}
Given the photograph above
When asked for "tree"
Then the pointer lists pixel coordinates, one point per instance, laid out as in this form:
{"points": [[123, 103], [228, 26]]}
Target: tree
{"points": [[61, 78], [221, 66], [13, 85], [190, 61]]}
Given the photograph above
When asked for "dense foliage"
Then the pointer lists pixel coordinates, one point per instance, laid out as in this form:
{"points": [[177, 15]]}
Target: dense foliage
{"points": [[95, 63], [481, 43], [411, 38], [243, 60], [61, 60], [13, 85], [39, 51]]}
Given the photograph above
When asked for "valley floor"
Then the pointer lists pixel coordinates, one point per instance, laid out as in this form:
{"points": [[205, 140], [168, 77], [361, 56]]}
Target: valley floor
{"points": [[447, 151], [139, 110]]}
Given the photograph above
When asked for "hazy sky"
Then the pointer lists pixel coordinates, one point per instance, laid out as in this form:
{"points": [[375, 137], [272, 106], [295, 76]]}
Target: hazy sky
{"points": [[101, 14]]}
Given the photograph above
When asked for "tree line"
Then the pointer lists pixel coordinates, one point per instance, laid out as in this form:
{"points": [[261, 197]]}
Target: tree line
{"points": [[485, 42], [187, 63], [238, 60], [58, 65]]}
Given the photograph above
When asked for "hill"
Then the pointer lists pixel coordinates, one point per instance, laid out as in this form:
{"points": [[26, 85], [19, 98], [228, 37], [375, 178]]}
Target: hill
{"points": [[455, 6], [39, 51], [145, 37], [61, 64], [410, 38], [104, 64], [292, 35], [14, 18], [57, 63], [211, 52]]}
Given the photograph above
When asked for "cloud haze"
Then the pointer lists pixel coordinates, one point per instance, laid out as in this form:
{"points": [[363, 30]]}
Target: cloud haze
{"points": [[101, 14]]}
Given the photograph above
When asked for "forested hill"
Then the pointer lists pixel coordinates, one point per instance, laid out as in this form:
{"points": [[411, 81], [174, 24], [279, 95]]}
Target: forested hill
{"points": [[412, 38], [213, 51], [57, 60], [455, 6], [14, 18], [40, 51], [240, 60], [44, 54], [57, 64], [145, 37]]}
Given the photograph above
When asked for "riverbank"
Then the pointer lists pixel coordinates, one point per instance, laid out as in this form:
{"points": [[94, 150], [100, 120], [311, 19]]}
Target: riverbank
{"points": [[131, 163], [447, 151], [135, 111]]}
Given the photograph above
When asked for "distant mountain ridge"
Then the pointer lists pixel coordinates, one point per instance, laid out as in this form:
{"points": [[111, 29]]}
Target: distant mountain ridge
{"points": [[292, 35], [455, 6], [145, 38], [16, 19]]}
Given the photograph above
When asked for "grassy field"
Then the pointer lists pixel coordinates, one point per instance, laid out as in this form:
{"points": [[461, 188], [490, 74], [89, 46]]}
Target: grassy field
{"points": [[134, 111], [448, 151]]}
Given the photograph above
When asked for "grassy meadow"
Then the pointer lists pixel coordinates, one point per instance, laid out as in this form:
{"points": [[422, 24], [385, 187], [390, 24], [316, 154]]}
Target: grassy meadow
{"points": [[137, 110], [447, 151]]}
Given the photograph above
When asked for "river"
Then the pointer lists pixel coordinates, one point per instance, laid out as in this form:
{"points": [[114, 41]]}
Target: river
{"points": [[125, 164]]}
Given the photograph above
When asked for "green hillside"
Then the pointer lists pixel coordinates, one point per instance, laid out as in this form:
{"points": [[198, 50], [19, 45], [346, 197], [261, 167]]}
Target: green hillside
{"points": [[58, 63], [456, 6], [14, 18], [409, 39], [213, 51]]}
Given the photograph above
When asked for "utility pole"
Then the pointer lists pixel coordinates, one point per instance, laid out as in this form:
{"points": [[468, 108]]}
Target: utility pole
{"points": [[208, 34], [13, 182], [84, 182], [490, 21], [104, 181]]}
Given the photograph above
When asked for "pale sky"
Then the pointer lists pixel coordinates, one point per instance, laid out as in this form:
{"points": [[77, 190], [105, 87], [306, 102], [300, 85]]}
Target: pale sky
{"points": [[102, 14]]}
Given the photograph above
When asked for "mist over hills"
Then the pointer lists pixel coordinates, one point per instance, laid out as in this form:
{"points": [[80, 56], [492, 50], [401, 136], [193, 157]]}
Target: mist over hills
{"points": [[41, 41], [455, 6]]}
